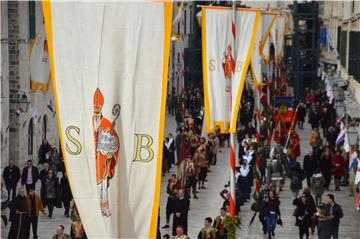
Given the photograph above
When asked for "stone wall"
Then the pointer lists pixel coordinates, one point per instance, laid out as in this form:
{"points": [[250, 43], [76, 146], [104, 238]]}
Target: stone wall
{"points": [[16, 15]]}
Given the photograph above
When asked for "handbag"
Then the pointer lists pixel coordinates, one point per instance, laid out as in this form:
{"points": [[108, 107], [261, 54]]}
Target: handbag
{"points": [[279, 221]]}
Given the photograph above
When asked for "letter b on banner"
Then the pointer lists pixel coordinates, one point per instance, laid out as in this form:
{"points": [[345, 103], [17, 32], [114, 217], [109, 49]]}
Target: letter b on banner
{"points": [[143, 150]]}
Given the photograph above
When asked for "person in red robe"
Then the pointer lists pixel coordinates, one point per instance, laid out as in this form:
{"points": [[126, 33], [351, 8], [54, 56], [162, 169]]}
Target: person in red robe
{"points": [[106, 149]]}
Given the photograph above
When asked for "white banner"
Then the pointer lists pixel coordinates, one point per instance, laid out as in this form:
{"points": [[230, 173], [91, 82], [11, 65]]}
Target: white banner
{"points": [[110, 65], [268, 21], [256, 58], [225, 63], [280, 37], [39, 63]]}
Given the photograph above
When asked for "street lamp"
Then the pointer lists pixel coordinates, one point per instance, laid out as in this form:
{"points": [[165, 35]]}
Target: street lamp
{"points": [[352, 134], [24, 102]]}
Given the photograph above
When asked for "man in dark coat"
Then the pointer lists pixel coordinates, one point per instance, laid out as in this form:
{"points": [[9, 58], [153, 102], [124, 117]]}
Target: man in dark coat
{"points": [[18, 217], [29, 176], [44, 152], [310, 164], [263, 203], [44, 172], [301, 115], [181, 208], [66, 195], [11, 177], [335, 211]]}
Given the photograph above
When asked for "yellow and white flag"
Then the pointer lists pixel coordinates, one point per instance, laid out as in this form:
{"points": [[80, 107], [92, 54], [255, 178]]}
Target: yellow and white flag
{"points": [[39, 63], [227, 46], [268, 27], [256, 59], [280, 37], [110, 67]]}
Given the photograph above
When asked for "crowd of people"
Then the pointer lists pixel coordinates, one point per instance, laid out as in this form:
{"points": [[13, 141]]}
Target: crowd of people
{"points": [[21, 204], [193, 155]]}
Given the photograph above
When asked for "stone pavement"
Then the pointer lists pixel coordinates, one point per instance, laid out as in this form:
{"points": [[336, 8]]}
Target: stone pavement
{"points": [[209, 203]]}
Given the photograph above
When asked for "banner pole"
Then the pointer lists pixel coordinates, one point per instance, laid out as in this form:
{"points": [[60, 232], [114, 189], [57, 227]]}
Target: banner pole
{"points": [[232, 176], [232, 135]]}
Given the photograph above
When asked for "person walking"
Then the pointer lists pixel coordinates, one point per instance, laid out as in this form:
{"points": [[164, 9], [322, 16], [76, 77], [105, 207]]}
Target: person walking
{"points": [[208, 232], [296, 176], [54, 160], [275, 170], [60, 234], [338, 168], [77, 229], [18, 216], [34, 206], [66, 195], [301, 115], [310, 164], [44, 152], [181, 208], [29, 176], [324, 223], [325, 167], [304, 212], [11, 177], [264, 203], [45, 171], [49, 187], [318, 186], [272, 214], [171, 191], [335, 212], [179, 233], [219, 225]]}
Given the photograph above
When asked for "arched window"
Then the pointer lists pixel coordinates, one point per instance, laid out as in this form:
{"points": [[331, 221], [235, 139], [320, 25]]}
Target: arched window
{"points": [[44, 127], [31, 137]]}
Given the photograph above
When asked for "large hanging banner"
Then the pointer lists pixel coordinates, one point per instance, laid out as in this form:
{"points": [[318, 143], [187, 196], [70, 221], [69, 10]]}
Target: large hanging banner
{"points": [[110, 67], [256, 55], [227, 50], [39, 63], [268, 22], [280, 37]]}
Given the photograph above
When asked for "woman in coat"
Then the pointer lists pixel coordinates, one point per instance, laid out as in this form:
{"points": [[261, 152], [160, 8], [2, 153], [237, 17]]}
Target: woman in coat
{"points": [[49, 191], [304, 212], [338, 168], [325, 166], [272, 214]]}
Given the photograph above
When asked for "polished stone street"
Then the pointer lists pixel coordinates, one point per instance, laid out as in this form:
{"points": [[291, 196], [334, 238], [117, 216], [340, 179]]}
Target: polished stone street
{"points": [[209, 203]]}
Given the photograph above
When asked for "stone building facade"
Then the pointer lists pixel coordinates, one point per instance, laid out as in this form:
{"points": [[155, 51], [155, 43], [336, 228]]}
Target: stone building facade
{"points": [[343, 21], [22, 132]]}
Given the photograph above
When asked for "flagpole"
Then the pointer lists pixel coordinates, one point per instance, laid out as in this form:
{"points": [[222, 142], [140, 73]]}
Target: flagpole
{"points": [[292, 127], [232, 138]]}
